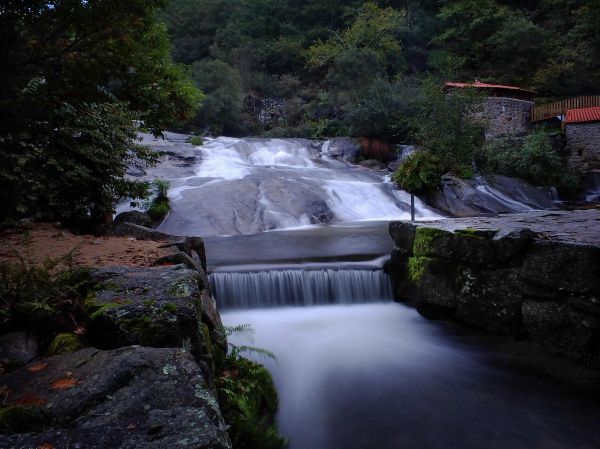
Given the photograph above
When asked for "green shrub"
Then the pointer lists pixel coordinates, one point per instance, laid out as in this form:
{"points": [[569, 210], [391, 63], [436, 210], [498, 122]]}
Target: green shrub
{"points": [[419, 173], [44, 299], [197, 141], [160, 205], [534, 160]]}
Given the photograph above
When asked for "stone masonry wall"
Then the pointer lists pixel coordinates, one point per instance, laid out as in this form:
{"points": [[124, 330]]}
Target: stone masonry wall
{"points": [[583, 143], [514, 283], [506, 117]]}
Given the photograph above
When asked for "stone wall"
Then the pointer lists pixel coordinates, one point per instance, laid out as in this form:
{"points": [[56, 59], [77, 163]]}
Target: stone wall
{"points": [[583, 143], [517, 284], [506, 117]]}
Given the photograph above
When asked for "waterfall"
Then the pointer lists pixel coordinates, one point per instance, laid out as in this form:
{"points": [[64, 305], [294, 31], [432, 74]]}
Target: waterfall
{"points": [[298, 287]]}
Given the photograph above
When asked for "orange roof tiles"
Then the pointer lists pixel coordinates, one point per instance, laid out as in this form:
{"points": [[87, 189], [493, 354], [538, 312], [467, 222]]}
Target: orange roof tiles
{"points": [[480, 85], [583, 115]]}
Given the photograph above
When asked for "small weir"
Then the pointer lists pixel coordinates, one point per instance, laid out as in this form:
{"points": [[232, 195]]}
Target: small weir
{"points": [[299, 287]]}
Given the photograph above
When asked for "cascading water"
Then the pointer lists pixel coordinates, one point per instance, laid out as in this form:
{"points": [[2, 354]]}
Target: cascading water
{"points": [[297, 287], [244, 186]]}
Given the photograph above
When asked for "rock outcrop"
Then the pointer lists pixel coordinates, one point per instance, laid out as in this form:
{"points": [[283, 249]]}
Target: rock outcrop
{"points": [[133, 397], [507, 279]]}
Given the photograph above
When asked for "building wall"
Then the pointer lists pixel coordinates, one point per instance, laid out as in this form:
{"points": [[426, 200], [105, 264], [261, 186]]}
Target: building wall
{"points": [[583, 143], [506, 117]]}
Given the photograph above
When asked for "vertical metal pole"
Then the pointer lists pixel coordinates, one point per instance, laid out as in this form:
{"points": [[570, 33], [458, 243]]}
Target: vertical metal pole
{"points": [[412, 207]]}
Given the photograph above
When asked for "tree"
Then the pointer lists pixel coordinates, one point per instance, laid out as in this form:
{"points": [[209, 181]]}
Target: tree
{"points": [[447, 125], [221, 110], [76, 77]]}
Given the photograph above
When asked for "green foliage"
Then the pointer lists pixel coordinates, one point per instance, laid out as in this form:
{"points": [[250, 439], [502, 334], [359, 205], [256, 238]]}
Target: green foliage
{"points": [[44, 299], [197, 141], [534, 160], [248, 398], [445, 124], [76, 77], [64, 343], [419, 173], [221, 110], [159, 207]]}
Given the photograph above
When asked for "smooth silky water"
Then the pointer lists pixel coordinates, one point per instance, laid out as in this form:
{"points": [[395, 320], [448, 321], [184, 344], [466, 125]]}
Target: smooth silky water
{"points": [[378, 375], [354, 370]]}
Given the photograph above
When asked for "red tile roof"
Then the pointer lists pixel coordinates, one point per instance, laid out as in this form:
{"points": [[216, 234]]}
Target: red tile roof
{"points": [[480, 85], [583, 115]]}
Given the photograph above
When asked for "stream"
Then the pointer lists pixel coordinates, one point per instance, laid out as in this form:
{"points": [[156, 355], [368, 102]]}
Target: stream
{"points": [[296, 245]]}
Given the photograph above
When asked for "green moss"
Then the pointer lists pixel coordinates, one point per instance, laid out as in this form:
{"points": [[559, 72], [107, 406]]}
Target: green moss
{"points": [[144, 328], [96, 310], [206, 339], [477, 233], [150, 302], [64, 343], [170, 307], [21, 418], [180, 290], [424, 240], [416, 268]]}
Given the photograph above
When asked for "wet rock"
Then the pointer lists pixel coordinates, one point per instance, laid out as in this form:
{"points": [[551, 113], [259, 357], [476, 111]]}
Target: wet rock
{"points": [[158, 307], [490, 299], [394, 165], [562, 327], [134, 397], [135, 217], [500, 194], [372, 164], [563, 268], [17, 348], [343, 148]]}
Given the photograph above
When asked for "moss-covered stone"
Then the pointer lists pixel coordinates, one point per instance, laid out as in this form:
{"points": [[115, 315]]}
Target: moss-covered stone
{"points": [[64, 343], [21, 418], [425, 239], [416, 268], [95, 309], [170, 307], [143, 328]]}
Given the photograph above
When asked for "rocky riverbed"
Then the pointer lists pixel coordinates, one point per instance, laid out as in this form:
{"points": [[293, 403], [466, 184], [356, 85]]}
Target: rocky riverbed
{"points": [[534, 276]]}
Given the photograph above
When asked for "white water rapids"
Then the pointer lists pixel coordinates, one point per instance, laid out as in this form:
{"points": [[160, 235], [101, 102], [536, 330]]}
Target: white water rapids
{"points": [[244, 186]]}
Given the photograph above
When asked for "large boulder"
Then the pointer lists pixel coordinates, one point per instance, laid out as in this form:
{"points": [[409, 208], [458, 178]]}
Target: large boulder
{"points": [[17, 348], [159, 307], [342, 148], [133, 216], [132, 397]]}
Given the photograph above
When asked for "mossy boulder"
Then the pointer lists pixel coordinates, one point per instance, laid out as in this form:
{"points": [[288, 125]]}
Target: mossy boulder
{"points": [[134, 397], [158, 307]]}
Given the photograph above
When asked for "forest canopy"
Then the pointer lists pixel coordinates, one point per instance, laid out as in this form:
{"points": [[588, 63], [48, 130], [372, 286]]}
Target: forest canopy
{"points": [[329, 60]]}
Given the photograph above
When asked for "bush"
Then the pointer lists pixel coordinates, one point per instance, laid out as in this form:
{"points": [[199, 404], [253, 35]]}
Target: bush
{"points": [[45, 299], [534, 160], [196, 141], [160, 205], [419, 173]]}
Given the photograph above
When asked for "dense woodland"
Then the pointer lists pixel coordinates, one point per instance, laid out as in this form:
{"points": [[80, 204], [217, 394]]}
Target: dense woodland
{"points": [[80, 78], [354, 67]]}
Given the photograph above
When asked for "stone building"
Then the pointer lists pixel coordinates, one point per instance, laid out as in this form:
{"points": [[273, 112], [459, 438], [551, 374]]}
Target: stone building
{"points": [[507, 109], [582, 127]]}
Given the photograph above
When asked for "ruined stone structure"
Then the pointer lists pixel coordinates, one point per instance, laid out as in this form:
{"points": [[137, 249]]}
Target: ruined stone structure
{"points": [[507, 117], [583, 139], [507, 110]]}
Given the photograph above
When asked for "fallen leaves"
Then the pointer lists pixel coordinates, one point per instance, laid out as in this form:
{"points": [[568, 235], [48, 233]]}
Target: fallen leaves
{"points": [[38, 367], [30, 399], [65, 383], [46, 446]]}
